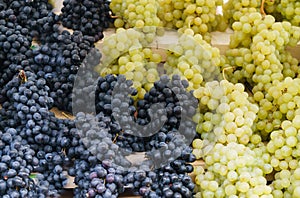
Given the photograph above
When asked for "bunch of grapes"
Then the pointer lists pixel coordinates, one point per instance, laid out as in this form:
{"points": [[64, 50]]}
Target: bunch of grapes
{"points": [[284, 150], [232, 170], [225, 113], [234, 9], [199, 15], [282, 10], [286, 183], [289, 10], [131, 59], [258, 54], [194, 60], [141, 14], [258, 58], [89, 17]]}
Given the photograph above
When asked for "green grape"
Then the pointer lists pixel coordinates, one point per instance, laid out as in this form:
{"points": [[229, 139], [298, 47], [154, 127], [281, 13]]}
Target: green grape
{"points": [[234, 9], [194, 59], [135, 13], [139, 14], [261, 63], [233, 170], [226, 111], [289, 10], [124, 54], [199, 16], [286, 182]]}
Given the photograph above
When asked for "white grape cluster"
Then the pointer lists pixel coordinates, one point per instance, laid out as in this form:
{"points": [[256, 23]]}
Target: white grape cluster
{"points": [[234, 9], [286, 97], [284, 148], [138, 14], [287, 183], [199, 15], [124, 53], [255, 24], [194, 60], [281, 102], [258, 58], [284, 144], [258, 54], [116, 44], [266, 48], [289, 10], [232, 170], [135, 13], [284, 153], [225, 113]]}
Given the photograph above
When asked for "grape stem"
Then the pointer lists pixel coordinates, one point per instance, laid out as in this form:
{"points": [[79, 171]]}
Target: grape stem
{"points": [[22, 76], [64, 151], [262, 8], [225, 69], [64, 114], [189, 23], [115, 139], [112, 16]]}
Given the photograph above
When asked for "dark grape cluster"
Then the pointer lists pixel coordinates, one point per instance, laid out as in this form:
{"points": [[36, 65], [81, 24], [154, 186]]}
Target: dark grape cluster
{"points": [[55, 55], [58, 61], [37, 16], [101, 179], [31, 127], [163, 147], [89, 17], [172, 180], [54, 142], [101, 136], [15, 43]]}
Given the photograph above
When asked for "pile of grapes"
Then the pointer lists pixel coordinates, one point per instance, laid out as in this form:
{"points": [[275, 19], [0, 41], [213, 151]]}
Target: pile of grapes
{"points": [[236, 114]]}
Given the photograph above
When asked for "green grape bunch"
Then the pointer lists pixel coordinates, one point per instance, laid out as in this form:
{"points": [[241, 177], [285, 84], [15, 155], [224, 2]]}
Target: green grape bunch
{"points": [[131, 53], [289, 11], [135, 13], [199, 15], [233, 170]]}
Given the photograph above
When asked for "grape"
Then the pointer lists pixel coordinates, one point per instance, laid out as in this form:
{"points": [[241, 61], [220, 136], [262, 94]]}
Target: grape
{"points": [[58, 63], [132, 60], [234, 10], [14, 47], [227, 114], [143, 180], [154, 183], [93, 19], [109, 185], [193, 59], [141, 14], [198, 64], [138, 14], [260, 60], [199, 16], [232, 175], [247, 124], [289, 10], [27, 104], [38, 18]]}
